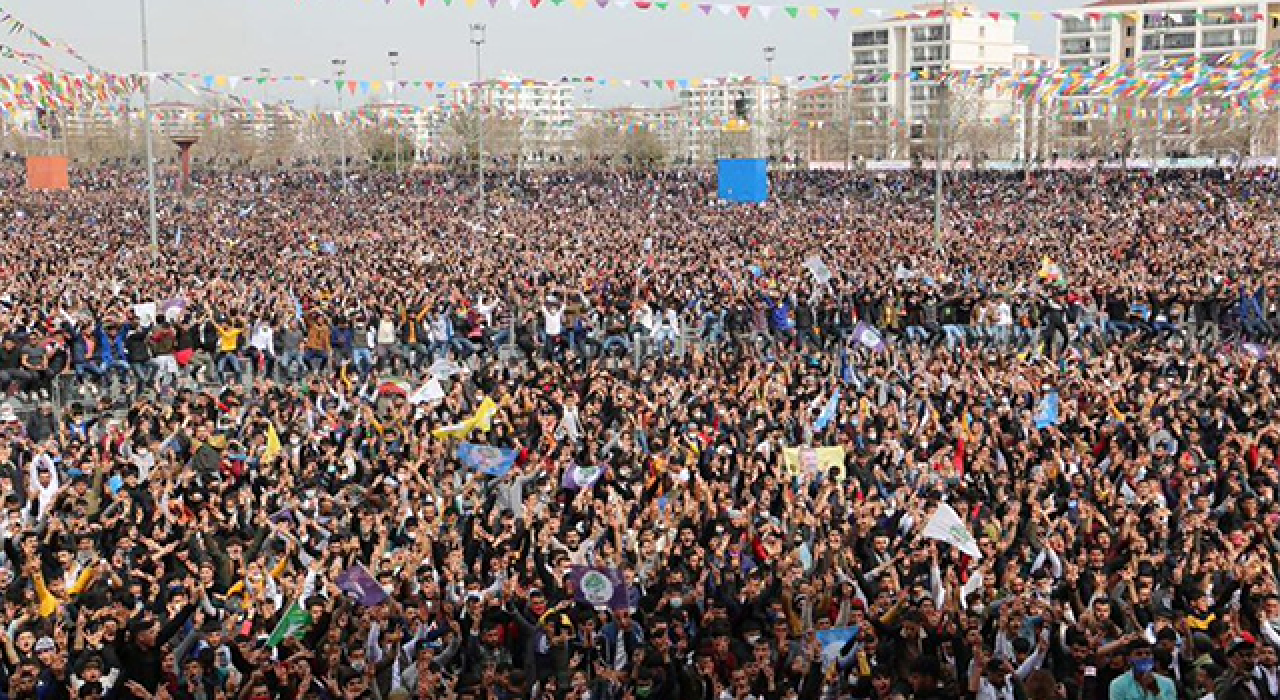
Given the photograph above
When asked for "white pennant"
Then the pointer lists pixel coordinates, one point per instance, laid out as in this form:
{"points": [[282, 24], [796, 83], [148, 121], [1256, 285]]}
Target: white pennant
{"points": [[233, 81], [725, 10], [764, 10]]}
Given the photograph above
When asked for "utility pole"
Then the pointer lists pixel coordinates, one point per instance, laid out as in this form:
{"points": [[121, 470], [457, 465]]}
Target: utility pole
{"points": [[154, 223], [339, 72], [942, 118], [477, 38], [770, 52], [395, 104]]}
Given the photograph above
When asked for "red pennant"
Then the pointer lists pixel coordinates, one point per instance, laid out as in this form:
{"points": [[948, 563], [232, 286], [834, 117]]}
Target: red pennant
{"points": [[643, 4], [422, 3], [744, 10], [534, 3]]}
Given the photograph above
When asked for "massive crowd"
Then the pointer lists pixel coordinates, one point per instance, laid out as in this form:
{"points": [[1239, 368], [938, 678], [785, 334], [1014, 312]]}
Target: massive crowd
{"points": [[611, 439]]}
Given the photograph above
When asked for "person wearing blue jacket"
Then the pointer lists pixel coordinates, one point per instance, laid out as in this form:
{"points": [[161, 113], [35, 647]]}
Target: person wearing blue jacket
{"points": [[110, 353]]}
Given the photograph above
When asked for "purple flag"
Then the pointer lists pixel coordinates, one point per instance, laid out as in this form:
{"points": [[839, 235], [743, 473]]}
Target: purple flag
{"points": [[577, 477], [1255, 350], [358, 583], [868, 337], [600, 587]]}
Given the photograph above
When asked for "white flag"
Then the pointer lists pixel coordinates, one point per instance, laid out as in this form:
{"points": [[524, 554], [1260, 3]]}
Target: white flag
{"points": [[821, 273], [428, 393], [948, 527]]}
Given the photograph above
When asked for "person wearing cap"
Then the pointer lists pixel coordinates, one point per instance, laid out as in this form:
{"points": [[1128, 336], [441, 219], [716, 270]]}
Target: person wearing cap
{"points": [[1141, 682]]}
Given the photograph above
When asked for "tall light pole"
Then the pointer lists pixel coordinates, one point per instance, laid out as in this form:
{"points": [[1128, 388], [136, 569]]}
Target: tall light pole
{"points": [[477, 38], [942, 119], [770, 53], [394, 56], [339, 72], [146, 118]]}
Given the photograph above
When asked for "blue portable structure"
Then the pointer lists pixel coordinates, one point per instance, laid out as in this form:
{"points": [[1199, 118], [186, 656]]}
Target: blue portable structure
{"points": [[743, 179]]}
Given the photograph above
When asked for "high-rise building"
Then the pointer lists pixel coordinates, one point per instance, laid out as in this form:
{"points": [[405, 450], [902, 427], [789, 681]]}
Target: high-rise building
{"points": [[541, 113], [1147, 37], [899, 117]]}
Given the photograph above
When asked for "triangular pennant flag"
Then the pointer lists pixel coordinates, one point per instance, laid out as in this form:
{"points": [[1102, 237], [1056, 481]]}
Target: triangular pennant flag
{"points": [[602, 3], [834, 12], [792, 10], [744, 11], [724, 9], [706, 9], [764, 11]]}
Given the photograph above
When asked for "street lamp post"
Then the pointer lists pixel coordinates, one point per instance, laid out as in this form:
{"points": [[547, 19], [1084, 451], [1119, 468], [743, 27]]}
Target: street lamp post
{"points": [[340, 71], [942, 119], [394, 56], [477, 38], [154, 225], [770, 53]]}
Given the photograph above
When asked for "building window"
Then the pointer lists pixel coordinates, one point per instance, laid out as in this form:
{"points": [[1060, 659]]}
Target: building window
{"points": [[1128, 52], [982, 32], [1128, 31]]}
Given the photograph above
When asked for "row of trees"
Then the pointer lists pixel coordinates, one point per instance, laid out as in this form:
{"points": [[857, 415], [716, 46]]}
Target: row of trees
{"points": [[284, 139]]}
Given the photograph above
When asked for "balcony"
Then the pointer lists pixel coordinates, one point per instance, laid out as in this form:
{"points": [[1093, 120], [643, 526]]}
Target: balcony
{"points": [[930, 34], [1169, 42], [1084, 47], [871, 38], [1220, 16]]}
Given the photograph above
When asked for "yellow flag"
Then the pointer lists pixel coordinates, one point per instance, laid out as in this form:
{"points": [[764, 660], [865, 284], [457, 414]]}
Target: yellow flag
{"points": [[457, 431], [483, 419], [813, 459], [273, 445]]}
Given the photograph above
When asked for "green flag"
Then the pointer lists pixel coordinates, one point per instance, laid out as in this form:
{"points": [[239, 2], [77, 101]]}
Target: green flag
{"points": [[293, 623]]}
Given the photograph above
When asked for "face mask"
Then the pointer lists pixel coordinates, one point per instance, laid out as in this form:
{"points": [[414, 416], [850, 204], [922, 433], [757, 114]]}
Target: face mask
{"points": [[676, 602], [752, 639], [643, 691], [1144, 665], [357, 666], [978, 610]]}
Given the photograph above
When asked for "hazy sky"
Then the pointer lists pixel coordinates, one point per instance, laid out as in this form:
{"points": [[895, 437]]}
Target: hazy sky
{"points": [[300, 37]]}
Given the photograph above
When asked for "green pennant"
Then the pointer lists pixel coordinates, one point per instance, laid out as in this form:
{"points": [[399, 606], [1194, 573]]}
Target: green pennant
{"points": [[1015, 16], [557, 2], [793, 11], [262, 81], [417, 83], [339, 84], [661, 5], [294, 623]]}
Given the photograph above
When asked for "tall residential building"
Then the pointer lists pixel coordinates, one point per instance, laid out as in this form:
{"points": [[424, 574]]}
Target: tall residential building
{"points": [[823, 123], [1146, 35], [735, 118], [542, 111], [898, 118]]}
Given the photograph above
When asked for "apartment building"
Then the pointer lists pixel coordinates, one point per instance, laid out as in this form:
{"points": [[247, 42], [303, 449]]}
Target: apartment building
{"points": [[544, 111], [899, 117], [1146, 36]]}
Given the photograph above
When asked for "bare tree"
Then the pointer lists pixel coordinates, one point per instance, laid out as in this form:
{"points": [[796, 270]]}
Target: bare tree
{"points": [[643, 147]]}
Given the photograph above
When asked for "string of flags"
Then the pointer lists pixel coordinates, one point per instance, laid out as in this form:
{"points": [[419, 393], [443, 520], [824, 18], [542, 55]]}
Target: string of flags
{"points": [[16, 26], [743, 11]]}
